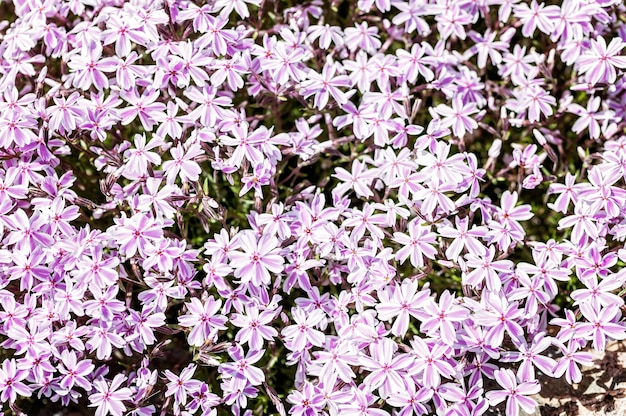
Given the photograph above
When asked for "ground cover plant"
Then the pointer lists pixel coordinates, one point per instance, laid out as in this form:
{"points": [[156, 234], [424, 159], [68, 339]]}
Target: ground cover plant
{"points": [[250, 207]]}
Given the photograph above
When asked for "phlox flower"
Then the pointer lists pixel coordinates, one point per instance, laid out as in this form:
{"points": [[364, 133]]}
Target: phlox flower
{"points": [[530, 357], [241, 369], [181, 385], [459, 116], [108, 398], [254, 327], [336, 361], [136, 232], [258, 258], [568, 363], [362, 37], [360, 404], [417, 244], [359, 179], [387, 369], [75, 372], [500, 316], [600, 61], [441, 316], [514, 393], [601, 324], [431, 361], [183, 163], [11, 382], [300, 334], [204, 320], [401, 302], [325, 85], [308, 401]]}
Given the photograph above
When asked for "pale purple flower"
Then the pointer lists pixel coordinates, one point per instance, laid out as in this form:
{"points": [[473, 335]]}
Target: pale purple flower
{"points": [[417, 244], [108, 398], [11, 384], [303, 332], [600, 61], [181, 385], [514, 393], [258, 258], [254, 327], [204, 320]]}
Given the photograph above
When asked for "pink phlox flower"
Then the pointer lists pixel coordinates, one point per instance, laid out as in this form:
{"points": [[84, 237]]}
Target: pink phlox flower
{"points": [[105, 304], [210, 108], [183, 163], [122, 30], [401, 302], [537, 102], [413, 63], [246, 144], [568, 363], [601, 193], [302, 334], [326, 34], [161, 255], [325, 85], [530, 357], [387, 369], [75, 372], [65, 113], [261, 176], [336, 361], [499, 316], [144, 323], [601, 324], [241, 369], [459, 116], [486, 269], [411, 399], [285, 65], [440, 318], [486, 46], [144, 106], [463, 237], [451, 20], [181, 385], [254, 326], [108, 398], [600, 61], [217, 36], [11, 384], [204, 320], [28, 266], [568, 192], [360, 404], [358, 180], [362, 36], [308, 401], [582, 223], [90, 67], [431, 361], [258, 258], [418, 243], [360, 72], [535, 16], [135, 232], [510, 214], [202, 398], [531, 289], [221, 244], [514, 393]]}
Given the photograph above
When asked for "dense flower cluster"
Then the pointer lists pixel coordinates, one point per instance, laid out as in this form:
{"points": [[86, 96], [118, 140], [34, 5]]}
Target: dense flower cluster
{"points": [[357, 207]]}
